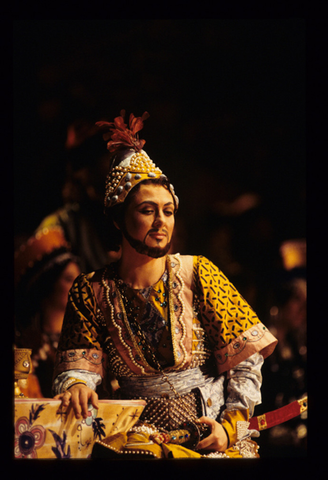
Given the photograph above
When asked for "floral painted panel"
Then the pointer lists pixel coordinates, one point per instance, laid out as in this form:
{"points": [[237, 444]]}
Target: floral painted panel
{"points": [[44, 430]]}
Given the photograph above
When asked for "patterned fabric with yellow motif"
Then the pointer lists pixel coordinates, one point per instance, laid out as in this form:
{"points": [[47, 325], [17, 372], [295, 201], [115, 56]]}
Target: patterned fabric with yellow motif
{"points": [[193, 317], [219, 322]]}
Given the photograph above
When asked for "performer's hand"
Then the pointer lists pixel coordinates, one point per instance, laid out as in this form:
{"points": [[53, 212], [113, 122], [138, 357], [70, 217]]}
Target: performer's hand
{"points": [[217, 440], [79, 396]]}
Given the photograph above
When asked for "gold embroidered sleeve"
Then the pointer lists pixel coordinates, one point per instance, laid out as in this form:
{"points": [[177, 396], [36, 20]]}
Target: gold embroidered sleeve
{"points": [[81, 327], [81, 337], [229, 423], [232, 326]]}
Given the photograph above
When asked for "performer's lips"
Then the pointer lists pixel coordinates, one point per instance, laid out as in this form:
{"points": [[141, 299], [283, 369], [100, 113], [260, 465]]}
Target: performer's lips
{"points": [[157, 235]]}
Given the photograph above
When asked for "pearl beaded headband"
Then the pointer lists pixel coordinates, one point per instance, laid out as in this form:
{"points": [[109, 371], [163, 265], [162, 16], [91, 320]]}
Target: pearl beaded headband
{"points": [[130, 164]]}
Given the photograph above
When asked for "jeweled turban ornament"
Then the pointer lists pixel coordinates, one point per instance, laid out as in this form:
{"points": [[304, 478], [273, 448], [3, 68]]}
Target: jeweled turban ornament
{"points": [[130, 163]]}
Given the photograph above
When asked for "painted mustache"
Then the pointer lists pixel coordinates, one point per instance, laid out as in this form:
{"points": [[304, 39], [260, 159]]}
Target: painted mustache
{"points": [[154, 231], [141, 247]]}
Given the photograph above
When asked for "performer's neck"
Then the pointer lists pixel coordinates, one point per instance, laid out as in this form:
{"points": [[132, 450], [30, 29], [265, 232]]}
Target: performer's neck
{"points": [[140, 271]]}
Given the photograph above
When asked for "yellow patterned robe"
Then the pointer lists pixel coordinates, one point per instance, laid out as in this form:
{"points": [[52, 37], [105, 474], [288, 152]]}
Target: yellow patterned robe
{"points": [[209, 321]]}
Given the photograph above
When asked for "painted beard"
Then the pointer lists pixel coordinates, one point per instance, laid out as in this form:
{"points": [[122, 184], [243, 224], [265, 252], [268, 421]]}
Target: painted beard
{"points": [[141, 247]]}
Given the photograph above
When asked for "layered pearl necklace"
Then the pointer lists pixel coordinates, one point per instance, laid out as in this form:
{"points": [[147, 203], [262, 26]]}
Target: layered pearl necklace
{"points": [[146, 321]]}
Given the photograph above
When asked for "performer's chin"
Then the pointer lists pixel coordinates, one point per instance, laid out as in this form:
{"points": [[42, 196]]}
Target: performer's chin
{"points": [[144, 249]]}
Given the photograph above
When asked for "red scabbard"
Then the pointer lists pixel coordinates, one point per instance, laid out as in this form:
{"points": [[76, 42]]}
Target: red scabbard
{"points": [[281, 415]]}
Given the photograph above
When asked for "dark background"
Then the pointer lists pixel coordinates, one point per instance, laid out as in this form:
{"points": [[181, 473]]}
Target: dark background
{"points": [[226, 99]]}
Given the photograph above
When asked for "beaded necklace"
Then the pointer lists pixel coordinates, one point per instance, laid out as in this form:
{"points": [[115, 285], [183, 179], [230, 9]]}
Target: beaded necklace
{"points": [[134, 314]]}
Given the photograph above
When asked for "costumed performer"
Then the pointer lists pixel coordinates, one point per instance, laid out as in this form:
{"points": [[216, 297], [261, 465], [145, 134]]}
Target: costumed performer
{"points": [[171, 328], [45, 269]]}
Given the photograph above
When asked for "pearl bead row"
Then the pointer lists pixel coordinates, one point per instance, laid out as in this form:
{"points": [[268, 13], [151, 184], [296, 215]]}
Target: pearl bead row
{"points": [[142, 452], [141, 158], [216, 455], [132, 336], [159, 417], [180, 318], [172, 315], [246, 449], [118, 367], [140, 162], [148, 429], [119, 328]]}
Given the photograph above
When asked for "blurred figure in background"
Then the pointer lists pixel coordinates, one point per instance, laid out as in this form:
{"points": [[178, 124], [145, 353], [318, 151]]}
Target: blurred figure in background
{"points": [[44, 272], [81, 218], [285, 372]]}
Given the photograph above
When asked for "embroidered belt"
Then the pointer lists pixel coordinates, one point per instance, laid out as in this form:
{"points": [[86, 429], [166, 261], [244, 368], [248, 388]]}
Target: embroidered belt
{"points": [[183, 382], [281, 415]]}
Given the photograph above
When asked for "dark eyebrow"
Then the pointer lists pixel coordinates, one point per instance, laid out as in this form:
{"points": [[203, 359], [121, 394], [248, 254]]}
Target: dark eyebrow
{"points": [[154, 203]]}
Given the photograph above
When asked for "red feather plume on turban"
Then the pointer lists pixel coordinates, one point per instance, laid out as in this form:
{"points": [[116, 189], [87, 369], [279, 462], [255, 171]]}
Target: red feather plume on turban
{"points": [[120, 136]]}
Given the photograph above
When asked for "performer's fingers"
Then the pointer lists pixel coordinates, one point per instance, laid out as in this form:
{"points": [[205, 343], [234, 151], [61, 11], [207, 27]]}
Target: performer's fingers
{"points": [[94, 400], [207, 420], [84, 402], [66, 398], [75, 401], [217, 440]]}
